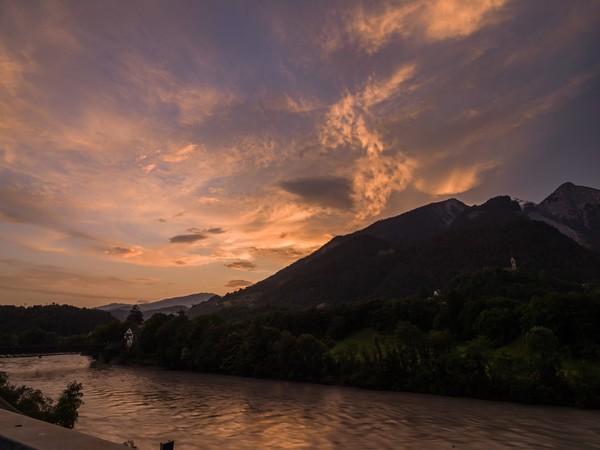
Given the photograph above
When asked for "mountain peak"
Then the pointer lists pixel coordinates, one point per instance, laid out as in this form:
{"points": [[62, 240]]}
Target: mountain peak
{"points": [[566, 185], [416, 225], [569, 196], [574, 211]]}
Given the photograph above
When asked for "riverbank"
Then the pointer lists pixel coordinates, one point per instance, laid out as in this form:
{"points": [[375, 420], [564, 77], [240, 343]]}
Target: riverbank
{"points": [[19, 432]]}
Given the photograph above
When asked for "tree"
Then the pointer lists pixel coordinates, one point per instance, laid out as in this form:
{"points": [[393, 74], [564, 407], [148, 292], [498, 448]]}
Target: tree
{"points": [[147, 339], [543, 348], [33, 403], [499, 325], [541, 340], [64, 413], [108, 332], [136, 315]]}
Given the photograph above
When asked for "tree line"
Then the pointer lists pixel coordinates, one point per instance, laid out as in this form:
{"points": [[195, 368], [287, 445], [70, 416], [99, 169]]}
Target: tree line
{"points": [[518, 336], [48, 324]]}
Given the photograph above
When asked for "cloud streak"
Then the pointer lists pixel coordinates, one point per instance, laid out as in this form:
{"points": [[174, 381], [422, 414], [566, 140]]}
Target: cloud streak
{"points": [[186, 238], [238, 284], [241, 265]]}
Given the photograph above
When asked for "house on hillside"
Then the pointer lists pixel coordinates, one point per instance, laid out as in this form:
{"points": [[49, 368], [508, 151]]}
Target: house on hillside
{"points": [[130, 335], [513, 265]]}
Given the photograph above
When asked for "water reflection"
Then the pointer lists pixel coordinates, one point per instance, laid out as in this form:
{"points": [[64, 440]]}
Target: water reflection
{"points": [[151, 406]]}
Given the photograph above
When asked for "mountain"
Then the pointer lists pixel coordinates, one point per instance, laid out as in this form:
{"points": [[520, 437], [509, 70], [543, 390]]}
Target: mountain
{"points": [[416, 225], [574, 211], [408, 228], [166, 306], [424, 249]]}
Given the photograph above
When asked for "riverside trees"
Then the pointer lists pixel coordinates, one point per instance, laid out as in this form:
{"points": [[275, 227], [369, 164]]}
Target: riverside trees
{"points": [[479, 340], [33, 403]]}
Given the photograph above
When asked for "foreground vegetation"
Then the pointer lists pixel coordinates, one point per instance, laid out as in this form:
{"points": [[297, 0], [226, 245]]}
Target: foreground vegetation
{"points": [[517, 336], [33, 403], [46, 325]]}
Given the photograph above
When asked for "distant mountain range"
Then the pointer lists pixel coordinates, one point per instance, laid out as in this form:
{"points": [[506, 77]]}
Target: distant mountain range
{"points": [[424, 249], [167, 306]]}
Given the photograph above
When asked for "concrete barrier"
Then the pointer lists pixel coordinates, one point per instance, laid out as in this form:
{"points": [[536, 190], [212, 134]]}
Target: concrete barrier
{"points": [[19, 432]]}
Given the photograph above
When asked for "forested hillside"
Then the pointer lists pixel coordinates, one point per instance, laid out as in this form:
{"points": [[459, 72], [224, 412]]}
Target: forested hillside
{"points": [[46, 324]]}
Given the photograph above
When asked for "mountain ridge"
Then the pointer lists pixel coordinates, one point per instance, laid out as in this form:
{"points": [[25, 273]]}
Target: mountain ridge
{"points": [[166, 306], [421, 250]]}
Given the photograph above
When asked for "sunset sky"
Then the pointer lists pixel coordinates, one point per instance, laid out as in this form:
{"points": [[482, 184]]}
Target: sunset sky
{"points": [[152, 149]]}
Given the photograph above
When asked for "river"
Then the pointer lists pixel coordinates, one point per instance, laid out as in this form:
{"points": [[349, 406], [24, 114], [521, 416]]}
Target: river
{"points": [[150, 406]]}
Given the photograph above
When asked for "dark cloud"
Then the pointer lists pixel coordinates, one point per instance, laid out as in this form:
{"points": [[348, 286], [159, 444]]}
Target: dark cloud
{"points": [[239, 283], [162, 220], [181, 262], [327, 192], [119, 251], [241, 265], [186, 238], [215, 230]]}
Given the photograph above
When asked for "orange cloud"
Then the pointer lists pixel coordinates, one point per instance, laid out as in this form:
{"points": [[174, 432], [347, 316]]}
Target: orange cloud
{"points": [[445, 19], [434, 20], [373, 29], [378, 91], [180, 155], [375, 174], [455, 181], [377, 177]]}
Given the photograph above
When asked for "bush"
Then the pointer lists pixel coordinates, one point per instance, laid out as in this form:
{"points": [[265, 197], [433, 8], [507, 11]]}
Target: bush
{"points": [[33, 403]]}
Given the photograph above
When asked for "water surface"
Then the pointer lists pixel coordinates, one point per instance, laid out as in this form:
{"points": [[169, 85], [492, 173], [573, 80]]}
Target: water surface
{"points": [[150, 406]]}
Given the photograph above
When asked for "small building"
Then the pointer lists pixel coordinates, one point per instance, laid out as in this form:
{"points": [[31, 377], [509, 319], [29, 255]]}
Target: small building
{"points": [[130, 336], [513, 265]]}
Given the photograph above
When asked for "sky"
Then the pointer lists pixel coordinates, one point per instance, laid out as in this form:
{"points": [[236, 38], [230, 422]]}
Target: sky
{"points": [[152, 149]]}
